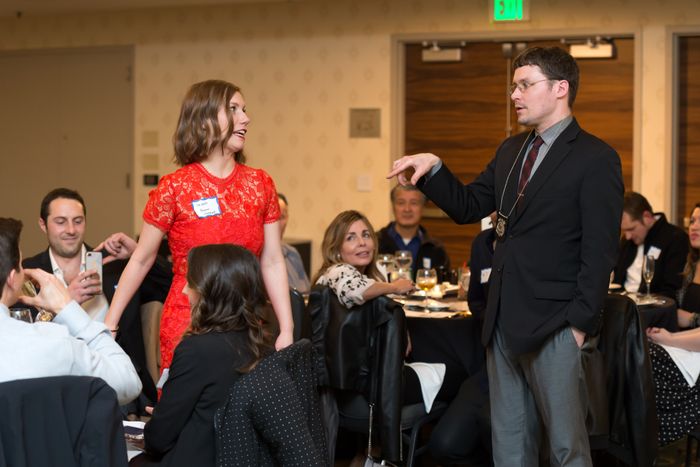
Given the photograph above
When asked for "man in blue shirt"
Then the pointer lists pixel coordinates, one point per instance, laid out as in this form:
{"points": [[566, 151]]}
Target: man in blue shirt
{"points": [[406, 233]]}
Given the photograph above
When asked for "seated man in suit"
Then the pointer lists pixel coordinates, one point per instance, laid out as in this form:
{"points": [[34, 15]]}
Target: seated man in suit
{"points": [[63, 220], [296, 275], [406, 233], [75, 345], [648, 233]]}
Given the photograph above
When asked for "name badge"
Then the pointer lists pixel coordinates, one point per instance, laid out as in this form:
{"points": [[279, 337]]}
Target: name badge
{"points": [[485, 275], [654, 252], [206, 207]]}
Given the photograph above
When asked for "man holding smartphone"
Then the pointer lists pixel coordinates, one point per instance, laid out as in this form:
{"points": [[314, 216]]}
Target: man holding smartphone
{"points": [[63, 219]]}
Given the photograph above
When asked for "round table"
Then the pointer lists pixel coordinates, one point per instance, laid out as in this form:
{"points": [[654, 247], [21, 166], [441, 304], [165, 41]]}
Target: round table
{"points": [[455, 341]]}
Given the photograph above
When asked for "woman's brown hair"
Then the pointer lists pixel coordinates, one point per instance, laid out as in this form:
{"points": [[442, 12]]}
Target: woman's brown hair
{"points": [[333, 241], [198, 131], [231, 294]]}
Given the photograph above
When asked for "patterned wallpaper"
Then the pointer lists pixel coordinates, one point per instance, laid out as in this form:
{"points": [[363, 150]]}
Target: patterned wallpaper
{"points": [[303, 65]]}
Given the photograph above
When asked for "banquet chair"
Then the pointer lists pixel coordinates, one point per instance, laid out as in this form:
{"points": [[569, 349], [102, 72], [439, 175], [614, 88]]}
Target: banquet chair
{"points": [[272, 416], [692, 436], [65, 421], [632, 435], [360, 349], [150, 326], [302, 320]]}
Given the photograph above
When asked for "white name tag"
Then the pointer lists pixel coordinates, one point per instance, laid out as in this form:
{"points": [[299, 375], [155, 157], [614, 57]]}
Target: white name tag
{"points": [[654, 252], [206, 207], [485, 275]]}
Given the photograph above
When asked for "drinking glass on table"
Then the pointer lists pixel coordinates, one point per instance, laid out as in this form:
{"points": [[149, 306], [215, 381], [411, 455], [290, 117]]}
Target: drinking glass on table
{"points": [[403, 259], [648, 272], [387, 265], [22, 314], [426, 279]]}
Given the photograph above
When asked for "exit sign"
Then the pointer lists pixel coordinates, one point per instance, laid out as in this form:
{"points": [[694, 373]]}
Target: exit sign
{"points": [[509, 10]]}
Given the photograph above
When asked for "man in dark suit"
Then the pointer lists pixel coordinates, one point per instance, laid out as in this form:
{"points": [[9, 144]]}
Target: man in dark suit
{"points": [[63, 219], [646, 233], [558, 192]]}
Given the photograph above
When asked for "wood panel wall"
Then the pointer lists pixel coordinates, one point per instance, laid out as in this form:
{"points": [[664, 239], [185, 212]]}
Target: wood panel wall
{"points": [[459, 112], [688, 106]]}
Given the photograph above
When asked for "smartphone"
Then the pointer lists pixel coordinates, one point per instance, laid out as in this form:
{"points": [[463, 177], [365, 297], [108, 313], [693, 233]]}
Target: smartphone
{"points": [[93, 261]]}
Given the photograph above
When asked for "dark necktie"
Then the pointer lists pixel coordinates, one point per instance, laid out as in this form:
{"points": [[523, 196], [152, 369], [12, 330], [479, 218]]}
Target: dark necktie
{"points": [[529, 162]]}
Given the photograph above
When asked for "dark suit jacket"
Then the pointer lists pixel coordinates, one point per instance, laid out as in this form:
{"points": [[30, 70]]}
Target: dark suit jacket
{"points": [[130, 336], [553, 268], [668, 268], [204, 368], [66, 421]]}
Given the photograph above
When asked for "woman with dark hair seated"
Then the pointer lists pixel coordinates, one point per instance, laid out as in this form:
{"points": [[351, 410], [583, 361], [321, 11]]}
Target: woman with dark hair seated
{"points": [[675, 356], [224, 340]]}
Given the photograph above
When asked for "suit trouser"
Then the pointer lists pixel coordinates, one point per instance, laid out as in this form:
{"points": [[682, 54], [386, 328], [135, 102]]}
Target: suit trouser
{"points": [[545, 388]]}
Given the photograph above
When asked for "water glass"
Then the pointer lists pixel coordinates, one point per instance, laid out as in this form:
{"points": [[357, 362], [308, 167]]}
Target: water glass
{"points": [[22, 314], [403, 259]]}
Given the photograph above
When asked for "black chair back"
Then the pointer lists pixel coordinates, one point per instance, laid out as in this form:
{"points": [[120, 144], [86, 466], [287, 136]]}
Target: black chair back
{"points": [[302, 320], [633, 434], [63, 420]]}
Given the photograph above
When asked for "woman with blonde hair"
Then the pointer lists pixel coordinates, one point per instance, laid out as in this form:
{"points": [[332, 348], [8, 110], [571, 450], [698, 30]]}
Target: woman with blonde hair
{"points": [[349, 250], [213, 198]]}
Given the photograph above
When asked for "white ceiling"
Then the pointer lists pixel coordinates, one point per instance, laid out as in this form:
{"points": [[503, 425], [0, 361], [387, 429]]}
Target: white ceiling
{"points": [[46, 7]]}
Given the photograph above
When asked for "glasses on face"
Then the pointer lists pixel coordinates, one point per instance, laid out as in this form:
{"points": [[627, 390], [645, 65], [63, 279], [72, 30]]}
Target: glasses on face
{"points": [[523, 86]]}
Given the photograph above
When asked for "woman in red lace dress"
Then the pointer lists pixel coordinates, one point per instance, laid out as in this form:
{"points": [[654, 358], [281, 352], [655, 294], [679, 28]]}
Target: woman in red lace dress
{"points": [[212, 198]]}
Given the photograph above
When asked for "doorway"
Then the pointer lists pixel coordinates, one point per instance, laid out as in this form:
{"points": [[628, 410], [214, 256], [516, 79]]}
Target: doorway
{"points": [[67, 120], [460, 111]]}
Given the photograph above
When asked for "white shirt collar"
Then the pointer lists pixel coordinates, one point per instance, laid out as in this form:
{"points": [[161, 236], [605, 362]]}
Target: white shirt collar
{"points": [[56, 269]]}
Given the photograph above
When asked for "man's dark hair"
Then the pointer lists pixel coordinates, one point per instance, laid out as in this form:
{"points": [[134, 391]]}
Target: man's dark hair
{"points": [[555, 63], [635, 204], [9, 247], [283, 198], [59, 193]]}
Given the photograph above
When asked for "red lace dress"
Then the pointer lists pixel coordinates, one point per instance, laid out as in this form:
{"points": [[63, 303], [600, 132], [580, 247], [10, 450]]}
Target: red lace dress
{"points": [[247, 200]]}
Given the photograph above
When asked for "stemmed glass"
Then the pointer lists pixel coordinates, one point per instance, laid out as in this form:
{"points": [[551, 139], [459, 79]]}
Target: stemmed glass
{"points": [[387, 265], [426, 279], [648, 273], [403, 259]]}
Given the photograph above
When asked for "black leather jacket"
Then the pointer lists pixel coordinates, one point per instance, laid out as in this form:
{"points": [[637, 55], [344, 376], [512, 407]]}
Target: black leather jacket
{"points": [[352, 345]]}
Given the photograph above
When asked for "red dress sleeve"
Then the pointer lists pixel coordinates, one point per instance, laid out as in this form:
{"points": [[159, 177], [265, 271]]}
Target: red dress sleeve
{"points": [[272, 206], [161, 206]]}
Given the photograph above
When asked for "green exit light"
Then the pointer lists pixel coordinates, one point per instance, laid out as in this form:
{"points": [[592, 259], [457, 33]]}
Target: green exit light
{"points": [[508, 10]]}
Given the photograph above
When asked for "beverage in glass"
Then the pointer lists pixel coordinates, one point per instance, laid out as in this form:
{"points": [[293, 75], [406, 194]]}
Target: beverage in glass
{"points": [[403, 259], [426, 279], [648, 272]]}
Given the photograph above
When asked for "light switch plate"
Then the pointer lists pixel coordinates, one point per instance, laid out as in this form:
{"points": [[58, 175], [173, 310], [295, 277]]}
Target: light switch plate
{"points": [[365, 123]]}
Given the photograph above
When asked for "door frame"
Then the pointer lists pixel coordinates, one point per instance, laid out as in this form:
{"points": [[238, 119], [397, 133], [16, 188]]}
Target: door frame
{"points": [[398, 66]]}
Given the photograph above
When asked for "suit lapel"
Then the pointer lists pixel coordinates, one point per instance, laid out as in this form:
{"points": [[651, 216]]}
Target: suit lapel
{"points": [[555, 156]]}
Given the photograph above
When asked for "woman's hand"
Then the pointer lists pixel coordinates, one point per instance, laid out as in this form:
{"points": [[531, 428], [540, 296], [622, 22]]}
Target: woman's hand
{"points": [[285, 339], [402, 286], [660, 336]]}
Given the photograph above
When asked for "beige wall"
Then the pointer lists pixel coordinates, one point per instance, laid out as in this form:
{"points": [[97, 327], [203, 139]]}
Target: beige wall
{"points": [[303, 65]]}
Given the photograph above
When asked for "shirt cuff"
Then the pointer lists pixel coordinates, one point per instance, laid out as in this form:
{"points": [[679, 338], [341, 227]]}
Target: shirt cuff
{"points": [[433, 171], [75, 319]]}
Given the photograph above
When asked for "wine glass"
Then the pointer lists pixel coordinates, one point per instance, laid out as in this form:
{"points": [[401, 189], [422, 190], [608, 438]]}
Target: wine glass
{"points": [[403, 259], [386, 264], [648, 272], [426, 279], [22, 314]]}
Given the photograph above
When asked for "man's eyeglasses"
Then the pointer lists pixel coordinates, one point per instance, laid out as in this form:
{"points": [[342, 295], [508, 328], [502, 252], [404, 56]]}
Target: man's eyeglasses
{"points": [[523, 86]]}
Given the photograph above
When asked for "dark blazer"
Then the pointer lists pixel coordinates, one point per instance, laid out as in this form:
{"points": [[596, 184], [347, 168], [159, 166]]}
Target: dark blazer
{"points": [[66, 421], [204, 367], [668, 268], [130, 336], [480, 259], [553, 268]]}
